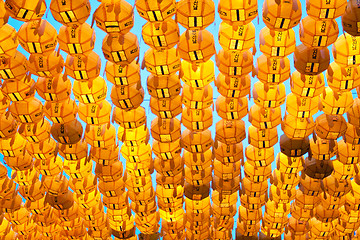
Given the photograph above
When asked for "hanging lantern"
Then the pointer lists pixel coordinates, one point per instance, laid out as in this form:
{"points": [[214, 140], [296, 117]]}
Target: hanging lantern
{"points": [[262, 138], [67, 133], [166, 108], [164, 86], [330, 127], [132, 118], [195, 15], [277, 43], [20, 162], [281, 15], [42, 150], [105, 156], [353, 114], [28, 111], [334, 103], [231, 108], [196, 46], [347, 153], [234, 63], [269, 96], [297, 128], [154, 11], [197, 119], [77, 40], [322, 149], [46, 66], [342, 79], [346, 50], [233, 86], [19, 90], [95, 113], [264, 118], [165, 62], [351, 18], [114, 16], [61, 112], [259, 157], [55, 89], [37, 132], [134, 136], [301, 107], [8, 125], [165, 130], [199, 75], [121, 49], [49, 167], [230, 132], [161, 35], [127, 97], [26, 11], [272, 70], [83, 67], [197, 98], [294, 148], [38, 37], [307, 85], [315, 33], [196, 141], [256, 174], [136, 154], [241, 38], [311, 61], [235, 12], [92, 91], [323, 10], [13, 68], [122, 75], [8, 40], [100, 136], [71, 13]]}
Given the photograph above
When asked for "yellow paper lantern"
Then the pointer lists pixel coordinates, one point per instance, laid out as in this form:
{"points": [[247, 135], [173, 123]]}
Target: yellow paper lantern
{"points": [[70, 13], [195, 15]]}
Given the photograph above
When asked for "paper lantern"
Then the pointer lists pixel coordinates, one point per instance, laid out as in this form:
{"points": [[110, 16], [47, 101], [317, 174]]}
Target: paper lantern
{"points": [[198, 177], [289, 165], [301, 107], [195, 15], [256, 174], [54, 89], [42, 150], [14, 68], [132, 118], [18, 90], [325, 10], [77, 40], [61, 112], [26, 11], [241, 13], [8, 125], [28, 111], [20, 162], [352, 134], [95, 113], [346, 50], [294, 148], [25, 177], [140, 169], [127, 97], [165, 62], [33, 192], [197, 119], [264, 117], [318, 33], [163, 86], [38, 37], [262, 138], [318, 169], [49, 167], [109, 173], [197, 98], [253, 189], [134, 136], [334, 103], [196, 46], [277, 43], [46, 66], [8, 40], [336, 188], [67, 133], [35, 133], [297, 128], [154, 11], [166, 108], [280, 195], [122, 75], [70, 13], [231, 108], [272, 70], [198, 75], [311, 61], [161, 35], [196, 141], [234, 63], [114, 17], [353, 113], [230, 132], [350, 18], [104, 156], [343, 171], [347, 152], [269, 96], [259, 157], [281, 15], [233, 86], [140, 153], [342, 79], [78, 169], [121, 49], [100, 135], [75, 151], [240, 37], [92, 91], [307, 85], [165, 130]]}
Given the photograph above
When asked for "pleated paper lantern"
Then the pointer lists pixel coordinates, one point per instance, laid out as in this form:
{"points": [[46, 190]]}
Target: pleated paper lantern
{"points": [[192, 14], [70, 13], [8, 125], [347, 153], [231, 108], [38, 37], [161, 35], [352, 134], [19, 90], [259, 156], [281, 15], [165, 130], [49, 167], [196, 46], [164, 86], [272, 70], [277, 43], [8, 40], [127, 97], [269, 96], [114, 16], [121, 49], [67, 133], [242, 38], [92, 91], [233, 86], [42, 150], [234, 63], [322, 149], [199, 75], [301, 107], [196, 141], [353, 115], [351, 18], [307, 85], [197, 119], [101, 136], [37, 132], [122, 75], [95, 113], [21, 162], [262, 138], [334, 103], [105, 156], [154, 11], [294, 148], [323, 10], [230, 132], [342, 79], [14, 68], [330, 127], [197, 98], [132, 118], [54, 89], [83, 67], [280, 195], [163, 62], [235, 12], [134, 136], [346, 50], [264, 117], [110, 173], [297, 128], [46, 66], [61, 112], [26, 11], [27, 111], [165, 108], [256, 174], [311, 61], [77, 40], [314, 33]]}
